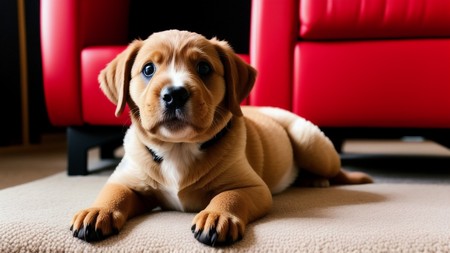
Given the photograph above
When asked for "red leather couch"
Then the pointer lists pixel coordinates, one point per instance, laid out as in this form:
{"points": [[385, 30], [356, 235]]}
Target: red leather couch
{"points": [[357, 68], [78, 39], [371, 68]]}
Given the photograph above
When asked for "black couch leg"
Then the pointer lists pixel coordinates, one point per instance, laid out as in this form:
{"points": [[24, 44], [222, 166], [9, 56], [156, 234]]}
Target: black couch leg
{"points": [[338, 143], [81, 139], [336, 137], [107, 149]]}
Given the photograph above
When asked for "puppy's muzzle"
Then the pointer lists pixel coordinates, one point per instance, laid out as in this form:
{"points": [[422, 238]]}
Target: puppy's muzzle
{"points": [[174, 97]]}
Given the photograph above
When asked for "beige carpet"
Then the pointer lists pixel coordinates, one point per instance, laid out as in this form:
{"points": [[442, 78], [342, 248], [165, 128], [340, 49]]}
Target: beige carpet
{"points": [[20, 164], [35, 217]]}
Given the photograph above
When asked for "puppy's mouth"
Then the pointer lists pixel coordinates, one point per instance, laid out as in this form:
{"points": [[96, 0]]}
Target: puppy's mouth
{"points": [[174, 120], [174, 123], [180, 116]]}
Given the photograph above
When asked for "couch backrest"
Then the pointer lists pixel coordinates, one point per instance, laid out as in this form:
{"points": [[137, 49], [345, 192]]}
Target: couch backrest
{"points": [[363, 19]]}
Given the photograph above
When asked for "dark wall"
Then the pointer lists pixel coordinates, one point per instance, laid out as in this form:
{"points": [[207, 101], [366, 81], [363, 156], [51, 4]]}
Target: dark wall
{"points": [[39, 122], [10, 117], [10, 99], [224, 19]]}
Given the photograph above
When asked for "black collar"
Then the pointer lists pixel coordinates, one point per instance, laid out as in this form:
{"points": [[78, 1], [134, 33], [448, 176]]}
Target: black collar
{"points": [[216, 137], [156, 158], [203, 146]]}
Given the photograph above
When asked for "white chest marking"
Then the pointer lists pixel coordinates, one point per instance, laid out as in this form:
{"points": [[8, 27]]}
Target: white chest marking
{"points": [[174, 168]]}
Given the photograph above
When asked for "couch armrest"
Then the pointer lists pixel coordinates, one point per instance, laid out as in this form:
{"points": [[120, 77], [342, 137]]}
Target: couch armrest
{"points": [[274, 28], [66, 27]]}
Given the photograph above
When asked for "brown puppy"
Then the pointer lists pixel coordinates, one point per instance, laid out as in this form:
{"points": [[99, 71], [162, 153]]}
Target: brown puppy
{"points": [[190, 146]]}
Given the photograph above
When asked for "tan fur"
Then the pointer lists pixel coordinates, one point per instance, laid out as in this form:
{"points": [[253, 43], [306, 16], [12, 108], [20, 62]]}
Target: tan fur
{"points": [[229, 183]]}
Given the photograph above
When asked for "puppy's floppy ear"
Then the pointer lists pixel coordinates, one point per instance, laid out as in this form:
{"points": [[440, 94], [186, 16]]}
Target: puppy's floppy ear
{"points": [[115, 77], [239, 76]]}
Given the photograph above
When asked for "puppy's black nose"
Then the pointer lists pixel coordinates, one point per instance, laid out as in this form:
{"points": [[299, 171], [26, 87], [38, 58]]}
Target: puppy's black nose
{"points": [[175, 97]]}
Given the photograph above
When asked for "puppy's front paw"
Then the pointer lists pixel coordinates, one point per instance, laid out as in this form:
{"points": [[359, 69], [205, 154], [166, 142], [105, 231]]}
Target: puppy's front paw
{"points": [[217, 228], [95, 224]]}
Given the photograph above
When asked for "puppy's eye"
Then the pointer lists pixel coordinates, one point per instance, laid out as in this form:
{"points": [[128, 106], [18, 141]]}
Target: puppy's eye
{"points": [[203, 68], [149, 70]]}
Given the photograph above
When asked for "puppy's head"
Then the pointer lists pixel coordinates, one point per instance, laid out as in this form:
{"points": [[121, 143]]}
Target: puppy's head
{"points": [[180, 86]]}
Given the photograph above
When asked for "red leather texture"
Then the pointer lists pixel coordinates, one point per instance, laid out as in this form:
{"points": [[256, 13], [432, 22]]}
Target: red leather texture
{"points": [[349, 19], [103, 22], [97, 109], [358, 63], [65, 30], [273, 28], [391, 83], [60, 61]]}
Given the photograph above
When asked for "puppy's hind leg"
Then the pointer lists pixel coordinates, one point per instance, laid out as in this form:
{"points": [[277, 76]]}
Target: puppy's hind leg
{"points": [[313, 151]]}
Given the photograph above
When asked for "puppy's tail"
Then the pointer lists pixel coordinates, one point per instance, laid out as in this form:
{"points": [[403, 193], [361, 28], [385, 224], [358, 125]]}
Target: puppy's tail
{"points": [[343, 177], [354, 177], [313, 151]]}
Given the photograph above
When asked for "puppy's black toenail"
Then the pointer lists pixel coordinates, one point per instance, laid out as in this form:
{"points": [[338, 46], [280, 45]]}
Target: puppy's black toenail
{"points": [[99, 234], [198, 234], [193, 228], [212, 231], [213, 239], [229, 240], [71, 228], [209, 238], [89, 234], [81, 233]]}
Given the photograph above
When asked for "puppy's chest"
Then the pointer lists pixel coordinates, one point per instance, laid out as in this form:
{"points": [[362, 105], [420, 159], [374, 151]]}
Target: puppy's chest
{"points": [[178, 171]]}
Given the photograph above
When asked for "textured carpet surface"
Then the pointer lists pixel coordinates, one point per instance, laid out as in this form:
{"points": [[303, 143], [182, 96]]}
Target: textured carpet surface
{"points": [[366, 218]]}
